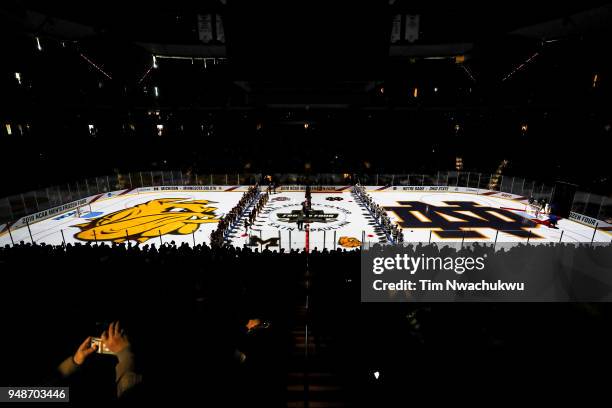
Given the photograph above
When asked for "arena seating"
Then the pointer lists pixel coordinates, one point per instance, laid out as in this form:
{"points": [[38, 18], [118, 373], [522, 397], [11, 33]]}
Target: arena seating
{"points": [[165, 295]]}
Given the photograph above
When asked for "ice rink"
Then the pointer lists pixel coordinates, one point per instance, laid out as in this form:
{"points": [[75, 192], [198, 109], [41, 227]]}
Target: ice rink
{"points": [[338, 220], [471, 217], [180, 216]]}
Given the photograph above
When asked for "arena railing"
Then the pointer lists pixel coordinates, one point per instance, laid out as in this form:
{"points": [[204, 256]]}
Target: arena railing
{"points": [[16, 206]]}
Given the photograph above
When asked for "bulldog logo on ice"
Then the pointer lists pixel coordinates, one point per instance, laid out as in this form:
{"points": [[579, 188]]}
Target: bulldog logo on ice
{"points": [[461, 219], [349, 242], [177, 216]]}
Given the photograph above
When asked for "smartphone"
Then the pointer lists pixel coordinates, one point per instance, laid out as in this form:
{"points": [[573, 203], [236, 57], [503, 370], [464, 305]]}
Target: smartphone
{"points": [[102, 349]]}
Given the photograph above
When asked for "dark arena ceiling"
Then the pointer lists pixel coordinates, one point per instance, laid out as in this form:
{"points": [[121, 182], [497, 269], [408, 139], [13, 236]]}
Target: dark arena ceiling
{"points": [[312, 47], [348, 39], [468, 70]]}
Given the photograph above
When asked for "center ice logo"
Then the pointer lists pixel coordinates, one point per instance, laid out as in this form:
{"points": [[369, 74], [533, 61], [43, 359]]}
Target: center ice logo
{"points": [[321, 217], [177, 216], [313, 216], [459, 219]]}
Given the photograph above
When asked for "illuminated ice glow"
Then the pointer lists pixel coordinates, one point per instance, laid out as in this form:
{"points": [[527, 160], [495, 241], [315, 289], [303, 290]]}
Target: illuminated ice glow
{"points": [[337, 220]]}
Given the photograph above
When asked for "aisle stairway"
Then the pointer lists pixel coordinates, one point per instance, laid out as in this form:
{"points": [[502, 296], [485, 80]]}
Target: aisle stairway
{"points": [[311, 381]]}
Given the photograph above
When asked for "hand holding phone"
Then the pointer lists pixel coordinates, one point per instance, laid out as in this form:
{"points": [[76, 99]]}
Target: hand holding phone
{"points": [[114, 338], [101, 347]]}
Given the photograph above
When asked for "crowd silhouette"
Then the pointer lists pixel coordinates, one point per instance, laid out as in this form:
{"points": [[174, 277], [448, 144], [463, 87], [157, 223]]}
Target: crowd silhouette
{"points": [[214, 322]]}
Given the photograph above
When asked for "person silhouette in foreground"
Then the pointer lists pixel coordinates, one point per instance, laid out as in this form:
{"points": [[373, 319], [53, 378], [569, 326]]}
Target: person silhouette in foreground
{"points": [[114, 339]]}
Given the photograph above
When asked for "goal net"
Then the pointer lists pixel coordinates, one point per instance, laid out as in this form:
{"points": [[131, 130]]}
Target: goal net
{"points": [[81, 210], [537, 210]]}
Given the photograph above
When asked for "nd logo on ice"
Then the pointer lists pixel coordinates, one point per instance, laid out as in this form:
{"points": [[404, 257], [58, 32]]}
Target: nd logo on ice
{"points": [[458, 219]]}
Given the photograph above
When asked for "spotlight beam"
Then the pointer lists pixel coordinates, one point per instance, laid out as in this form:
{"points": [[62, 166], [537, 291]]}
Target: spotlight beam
{"points": [[95, 66]]}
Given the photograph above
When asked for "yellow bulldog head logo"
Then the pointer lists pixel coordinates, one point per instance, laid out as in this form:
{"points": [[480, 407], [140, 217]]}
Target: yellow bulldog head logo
{"points": [[178, 216], [349, 242]]}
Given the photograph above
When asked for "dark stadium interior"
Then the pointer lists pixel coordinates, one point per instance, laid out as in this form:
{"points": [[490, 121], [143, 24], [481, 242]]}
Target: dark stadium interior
{"points": [[307, 88], [344, 79]]}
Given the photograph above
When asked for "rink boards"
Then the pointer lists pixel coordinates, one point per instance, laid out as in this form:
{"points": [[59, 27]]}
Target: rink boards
{"points": [[339, 220]]}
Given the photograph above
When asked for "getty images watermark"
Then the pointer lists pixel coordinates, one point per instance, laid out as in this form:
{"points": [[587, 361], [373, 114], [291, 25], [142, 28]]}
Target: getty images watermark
{"points": [[475, 272], [412, 265]]}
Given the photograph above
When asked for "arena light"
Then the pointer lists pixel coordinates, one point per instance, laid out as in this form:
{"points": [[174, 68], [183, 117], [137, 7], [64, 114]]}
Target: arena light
{"points": [[306, 125], [436, 89], [18, 77], [595, 79], [376, 374], [160, 130], [468, 72], [38, 46], [9, 131], [415, 93], [156, 91], [93, 64], [524, 128], [521, 66], [154, 62], [458, 163], [145, 74]]}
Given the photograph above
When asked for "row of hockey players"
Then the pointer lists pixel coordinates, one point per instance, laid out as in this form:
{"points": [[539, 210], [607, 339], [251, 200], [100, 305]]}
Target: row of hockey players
{"points": [[380, 215], [250, 219], [217, 237]]}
